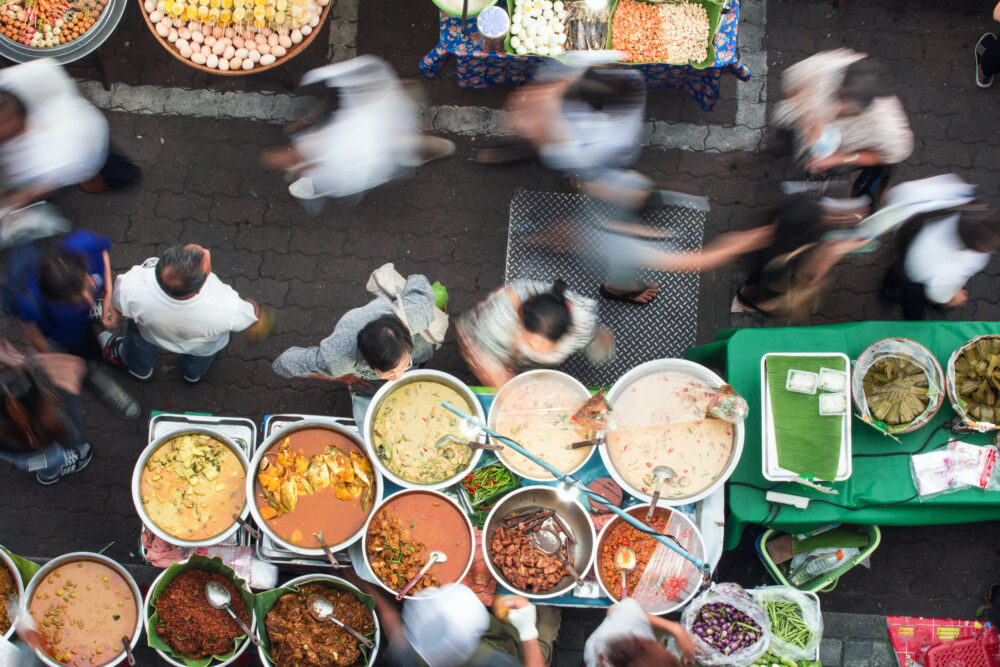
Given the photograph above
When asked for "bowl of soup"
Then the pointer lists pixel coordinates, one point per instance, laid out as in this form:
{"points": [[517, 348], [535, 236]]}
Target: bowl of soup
{"points": [[186, 487], [406, 420], [658, 419], [11, 591], [83, 605], [663, 581], [311, 478], [405, 529], [535, 409]]}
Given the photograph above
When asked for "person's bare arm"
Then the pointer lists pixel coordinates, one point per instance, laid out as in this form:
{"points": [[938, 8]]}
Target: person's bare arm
{"points": [[533, 654], [719, 251], [862, 158], [110, 317], [826, 257], [996, 12], [680, 635], [34, 336]]}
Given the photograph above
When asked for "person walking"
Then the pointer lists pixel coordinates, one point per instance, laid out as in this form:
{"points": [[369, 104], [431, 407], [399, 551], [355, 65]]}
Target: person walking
{"points": [[987, 55], [627, 638], [176, 303], [54, 288]]}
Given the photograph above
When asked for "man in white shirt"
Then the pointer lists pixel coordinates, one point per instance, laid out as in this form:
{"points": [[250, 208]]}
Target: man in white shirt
{"points": [[175, 303]]}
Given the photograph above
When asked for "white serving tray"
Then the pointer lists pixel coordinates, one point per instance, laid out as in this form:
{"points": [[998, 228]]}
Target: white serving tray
{"points": [[769, 458]]}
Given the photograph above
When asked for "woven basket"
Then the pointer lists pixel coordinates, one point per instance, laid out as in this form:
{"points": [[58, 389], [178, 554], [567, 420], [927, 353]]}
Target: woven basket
{"points": [[956, 402], [904, 348], [293, 51]]}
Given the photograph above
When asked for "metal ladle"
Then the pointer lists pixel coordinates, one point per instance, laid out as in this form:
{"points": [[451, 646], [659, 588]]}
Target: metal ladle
{"points": [[219, 598], [435, 557], [550, 544], [624, 563], [662, 473], [445, 439], [322, 610]]}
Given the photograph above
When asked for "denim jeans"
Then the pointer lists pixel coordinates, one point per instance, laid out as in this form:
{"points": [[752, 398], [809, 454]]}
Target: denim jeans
{"points": [[49, 461], [139, 356]]}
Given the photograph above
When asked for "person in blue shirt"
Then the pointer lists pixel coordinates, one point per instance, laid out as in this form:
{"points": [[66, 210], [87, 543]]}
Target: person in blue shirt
{"points": [[55, 288]]}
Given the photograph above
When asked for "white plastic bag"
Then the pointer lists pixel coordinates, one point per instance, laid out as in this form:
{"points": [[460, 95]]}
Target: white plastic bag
{"points": [[735, 597], [811, 616]]}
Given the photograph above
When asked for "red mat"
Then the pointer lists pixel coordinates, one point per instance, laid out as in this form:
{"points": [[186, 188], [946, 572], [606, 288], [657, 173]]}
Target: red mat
{"points": [[911, 636]]}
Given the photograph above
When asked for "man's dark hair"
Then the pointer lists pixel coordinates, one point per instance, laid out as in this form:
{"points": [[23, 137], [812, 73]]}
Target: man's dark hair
{"points": [[631, 651], [9, 102], [862, 84], [547, 314], [979, 229], [179, 272], [62, 273], [602, 87], [382, 342]]}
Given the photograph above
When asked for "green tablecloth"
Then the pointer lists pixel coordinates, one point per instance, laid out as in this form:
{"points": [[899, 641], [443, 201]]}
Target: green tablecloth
{"points": [[877, 484]]}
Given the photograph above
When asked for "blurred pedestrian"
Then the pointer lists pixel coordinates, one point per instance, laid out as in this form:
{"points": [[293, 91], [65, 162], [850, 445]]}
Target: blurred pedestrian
{"points": [[176, 303], [55, 289], [627, 638], [987, 55], [371, 344], [789, 274], [372, 138], [530, 324], [51, 137], [936, 255], [843, 117], [41, 426]]}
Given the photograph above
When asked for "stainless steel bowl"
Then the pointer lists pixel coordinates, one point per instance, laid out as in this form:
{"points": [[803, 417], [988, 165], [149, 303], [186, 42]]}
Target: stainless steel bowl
{"points": [[104, 560], [698, 372], [519, 381], [475, 409], [148, 614], [569, 509], [321, 578], [698, 550], [137, 478], [277, 437], [15, 577], [74, 50], [368, 574]]}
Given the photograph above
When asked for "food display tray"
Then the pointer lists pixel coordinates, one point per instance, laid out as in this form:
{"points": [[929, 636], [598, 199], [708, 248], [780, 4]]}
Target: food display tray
{"points": [[769, 456], [265, 547], [242, 431]]}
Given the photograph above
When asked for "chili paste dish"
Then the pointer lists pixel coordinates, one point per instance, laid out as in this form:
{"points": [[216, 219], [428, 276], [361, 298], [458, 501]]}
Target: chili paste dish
{"points": [[8, 594], [189, 625]]}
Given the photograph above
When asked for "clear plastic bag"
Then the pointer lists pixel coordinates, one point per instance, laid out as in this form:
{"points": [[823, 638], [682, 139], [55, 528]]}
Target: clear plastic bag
{"points": [[957, 467], [915, 353], [811, 617], [736, 597]]}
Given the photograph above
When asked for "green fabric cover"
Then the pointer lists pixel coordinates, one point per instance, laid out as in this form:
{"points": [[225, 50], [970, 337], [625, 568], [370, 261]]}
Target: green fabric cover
{"points": [[875, 481]]}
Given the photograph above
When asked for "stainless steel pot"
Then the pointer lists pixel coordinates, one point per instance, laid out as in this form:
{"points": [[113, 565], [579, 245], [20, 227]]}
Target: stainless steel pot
{"points": [[276, 438], [569, 509], [409, 378], [137, 495], [15, 577], [74, 50]]}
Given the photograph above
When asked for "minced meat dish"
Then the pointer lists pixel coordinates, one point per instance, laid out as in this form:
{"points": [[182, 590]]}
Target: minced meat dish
{"points": [[7, 591], [190, 625], [299, 640]]}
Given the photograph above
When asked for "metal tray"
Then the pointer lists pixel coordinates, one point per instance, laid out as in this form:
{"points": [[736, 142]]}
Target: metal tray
{"points": [[265, 547], [74, 50], [243, 432], [769, 455]]}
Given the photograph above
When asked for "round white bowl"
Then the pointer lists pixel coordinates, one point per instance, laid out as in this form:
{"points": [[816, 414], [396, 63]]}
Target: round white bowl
{"points": [[15, 576]]}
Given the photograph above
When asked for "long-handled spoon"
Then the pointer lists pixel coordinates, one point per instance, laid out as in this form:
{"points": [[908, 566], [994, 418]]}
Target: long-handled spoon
{"points": [[550, 544], [662, 473], [322, 610], [435, 557], [624, 563], [444, 440], [219, 598]]}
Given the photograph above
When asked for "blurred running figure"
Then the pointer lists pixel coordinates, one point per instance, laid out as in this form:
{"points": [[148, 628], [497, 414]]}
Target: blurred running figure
{"points": [[372, 138], [987, 55], [842, 117]]}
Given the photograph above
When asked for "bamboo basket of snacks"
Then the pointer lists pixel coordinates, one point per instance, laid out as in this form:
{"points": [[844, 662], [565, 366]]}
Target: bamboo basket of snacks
{"points": [[234, 37], [897, 385], [973, 382], [65, 30]]}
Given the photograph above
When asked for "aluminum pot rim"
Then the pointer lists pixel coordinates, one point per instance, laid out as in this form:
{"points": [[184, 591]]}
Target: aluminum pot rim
{"points": [[408, 378], [488, 558], [539, 372], [441, 496], [104, 560], [137, 494], [15, 575], [315, 422], [738, 432]]}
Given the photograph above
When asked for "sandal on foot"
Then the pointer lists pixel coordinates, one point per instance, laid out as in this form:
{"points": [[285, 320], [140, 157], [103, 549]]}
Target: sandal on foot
{"points": [[986, 41], [628, 297]]}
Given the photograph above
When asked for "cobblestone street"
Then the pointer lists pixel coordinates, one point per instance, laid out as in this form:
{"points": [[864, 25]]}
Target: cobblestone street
{"points": [[198, 140]]}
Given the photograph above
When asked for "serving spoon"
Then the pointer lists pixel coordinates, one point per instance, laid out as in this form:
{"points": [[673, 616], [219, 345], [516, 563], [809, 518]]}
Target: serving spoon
{"points": [[128, 651], [445, 439], [624, 563], [662, 473], [329, 553], [322, 610], [550, 544], [219, 598], [435, 557]]}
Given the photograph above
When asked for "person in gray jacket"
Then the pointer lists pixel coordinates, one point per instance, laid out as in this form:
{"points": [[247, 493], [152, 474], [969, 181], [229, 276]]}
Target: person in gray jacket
{"points": [[369, 345]]}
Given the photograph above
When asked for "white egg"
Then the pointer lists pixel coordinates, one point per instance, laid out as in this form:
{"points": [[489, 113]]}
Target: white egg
{"points": [[272, 39], [235, 63], [278, 51], [284, 40], [172, 37], [314, 21], [185, 51], [212, 61], [542, 50], [553, 40], [230, 32], [544, 31], [238, 41], [561, 14], [247, 64], [229, 53], [530, 30], [205, 51], [515, 28], [242, 53], [198, 59], [530, 45], [521, 51], [162, 29], [558, 27], [306, 29], [562, 38], [156, 16], [219, 48], [264, 49], [255, 56], [555, 50], [558, 5], [224, 65], [150, 6], [184, 33], [296, 37], [547, 14], [267, 59], [517, 18], [180, 44], [177, 23], [515, 42], [209, 41], [218, 32]]}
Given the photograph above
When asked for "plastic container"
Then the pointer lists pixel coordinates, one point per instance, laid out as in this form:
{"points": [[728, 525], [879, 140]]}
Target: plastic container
{"points": [[832, 404], [801, 382], [968, 652], [825, 582], [492, 25], [833, 380]]}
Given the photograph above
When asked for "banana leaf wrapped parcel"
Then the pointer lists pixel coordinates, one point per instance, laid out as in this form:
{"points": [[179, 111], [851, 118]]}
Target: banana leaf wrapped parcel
{"points": [[897, 385], [973, 382]]}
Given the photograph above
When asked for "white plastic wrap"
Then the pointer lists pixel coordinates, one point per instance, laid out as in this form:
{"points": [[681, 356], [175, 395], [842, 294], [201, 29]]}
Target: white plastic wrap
{"points": [[811, 616], [957, 402], [736, 597], [901, 348]]}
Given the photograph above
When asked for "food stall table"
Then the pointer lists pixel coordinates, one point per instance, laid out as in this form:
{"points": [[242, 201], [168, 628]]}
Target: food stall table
{"points": [[478, 68], [880, 490]]}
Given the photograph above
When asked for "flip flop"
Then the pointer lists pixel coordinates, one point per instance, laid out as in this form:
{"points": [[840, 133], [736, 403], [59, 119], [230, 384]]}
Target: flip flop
{"points": [[628, 297]]}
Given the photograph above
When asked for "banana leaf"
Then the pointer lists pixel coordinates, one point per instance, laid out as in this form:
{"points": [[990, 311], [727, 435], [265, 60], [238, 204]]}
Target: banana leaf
{"points": [[808, 443], [714, 11], [212, 566], [25, 567], [264, 602]]}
